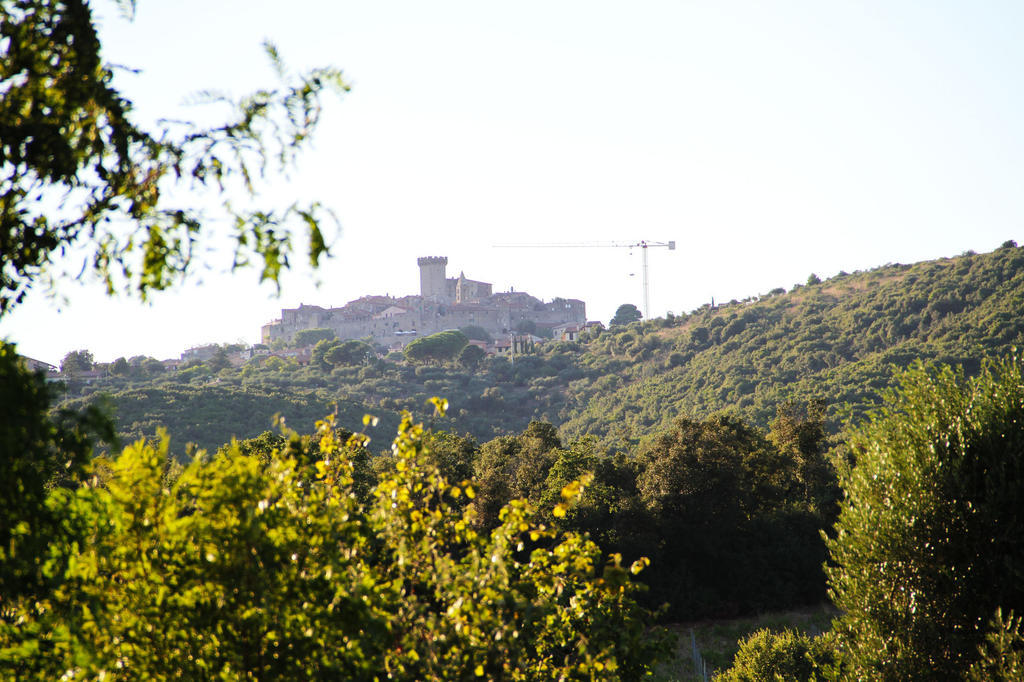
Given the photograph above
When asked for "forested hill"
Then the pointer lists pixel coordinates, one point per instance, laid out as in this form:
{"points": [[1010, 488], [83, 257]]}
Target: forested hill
{"points": [[836, 340]]}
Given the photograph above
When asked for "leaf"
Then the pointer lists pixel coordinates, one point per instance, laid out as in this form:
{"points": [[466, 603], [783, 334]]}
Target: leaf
{"points": [[440, 406]]}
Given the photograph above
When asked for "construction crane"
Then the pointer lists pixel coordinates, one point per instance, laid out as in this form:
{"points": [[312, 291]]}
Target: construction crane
{"points": [[643, 245]]}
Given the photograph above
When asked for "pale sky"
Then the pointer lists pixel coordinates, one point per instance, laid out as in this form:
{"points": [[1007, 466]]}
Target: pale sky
{"points": [[770, 140]]}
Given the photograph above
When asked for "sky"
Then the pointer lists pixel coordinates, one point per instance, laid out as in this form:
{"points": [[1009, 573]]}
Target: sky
{"points": [[768, 140]]}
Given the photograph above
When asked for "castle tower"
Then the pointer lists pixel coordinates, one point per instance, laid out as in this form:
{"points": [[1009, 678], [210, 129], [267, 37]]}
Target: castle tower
{"points": [[432, 277]]}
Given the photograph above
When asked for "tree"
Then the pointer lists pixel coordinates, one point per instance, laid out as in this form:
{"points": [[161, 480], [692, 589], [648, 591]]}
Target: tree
{"points": [[349, 352], [40, 451], [736, 499], [219, 361], [476, 333], [930, 537], [318, 357], [526, 327], [152, 366], [470, 356], [310, 337], [275, 363], [76, 361], [67, 139], [436, 347], [717, 469], [119, 367], [512, 467], [626, 313], [798, 431]]}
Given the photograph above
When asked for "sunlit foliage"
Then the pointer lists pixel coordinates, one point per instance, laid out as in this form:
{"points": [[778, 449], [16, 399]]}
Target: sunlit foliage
{"points": [[242, 565]]}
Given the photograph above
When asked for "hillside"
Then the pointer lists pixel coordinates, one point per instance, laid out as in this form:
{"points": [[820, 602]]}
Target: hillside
{"points": [[836, 341]]}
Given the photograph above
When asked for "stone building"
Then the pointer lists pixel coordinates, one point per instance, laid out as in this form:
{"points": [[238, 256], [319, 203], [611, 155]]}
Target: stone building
{"points": [[443, 303]]}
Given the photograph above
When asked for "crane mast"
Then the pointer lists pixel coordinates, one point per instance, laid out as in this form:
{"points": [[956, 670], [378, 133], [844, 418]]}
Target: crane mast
{"points": [[643, 245]]}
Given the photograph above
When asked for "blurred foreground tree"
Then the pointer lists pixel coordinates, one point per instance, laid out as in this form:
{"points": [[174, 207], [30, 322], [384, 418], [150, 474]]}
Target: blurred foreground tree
{"points": [[929, 545], [77, 175], [268, 566], [39, 452]]}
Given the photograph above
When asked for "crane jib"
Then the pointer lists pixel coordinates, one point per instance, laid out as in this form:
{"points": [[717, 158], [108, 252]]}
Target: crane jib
{"points": [[642, 244]]}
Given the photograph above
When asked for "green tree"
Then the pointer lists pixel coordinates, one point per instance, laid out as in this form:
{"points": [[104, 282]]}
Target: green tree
{"points": [[119, 367], [798, 431], [76, 361], [476, 333], [219, 360], [310, 337], [626, 313], [438, 347], [349, 352], [318, 357], [527, 327], [67, 139], [930, 537], [275, 363], [39, 451], [470, 356], [153, 367], [1002, 654], [734, 497], [512, 467]]}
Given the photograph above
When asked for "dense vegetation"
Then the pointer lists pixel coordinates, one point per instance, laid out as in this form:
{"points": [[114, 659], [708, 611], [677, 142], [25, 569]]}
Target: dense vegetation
{"points": [[837, 341], [211, 415], [729, 516], [277, 564], [925, 562], [924, 559]]}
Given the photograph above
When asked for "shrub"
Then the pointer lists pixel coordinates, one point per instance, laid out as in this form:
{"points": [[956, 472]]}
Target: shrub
{"points": [[787, 655]]}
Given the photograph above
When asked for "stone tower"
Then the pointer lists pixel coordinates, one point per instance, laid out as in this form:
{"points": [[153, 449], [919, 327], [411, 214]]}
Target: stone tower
{"points": [[432, 277]]}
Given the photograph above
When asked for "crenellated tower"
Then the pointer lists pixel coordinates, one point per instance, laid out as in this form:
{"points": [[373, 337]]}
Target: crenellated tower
{"points": [[433, 283]]}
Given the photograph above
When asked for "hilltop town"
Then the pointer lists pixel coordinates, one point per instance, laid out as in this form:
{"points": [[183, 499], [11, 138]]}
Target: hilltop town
{"points": [[443, 303], [512, 322]]}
